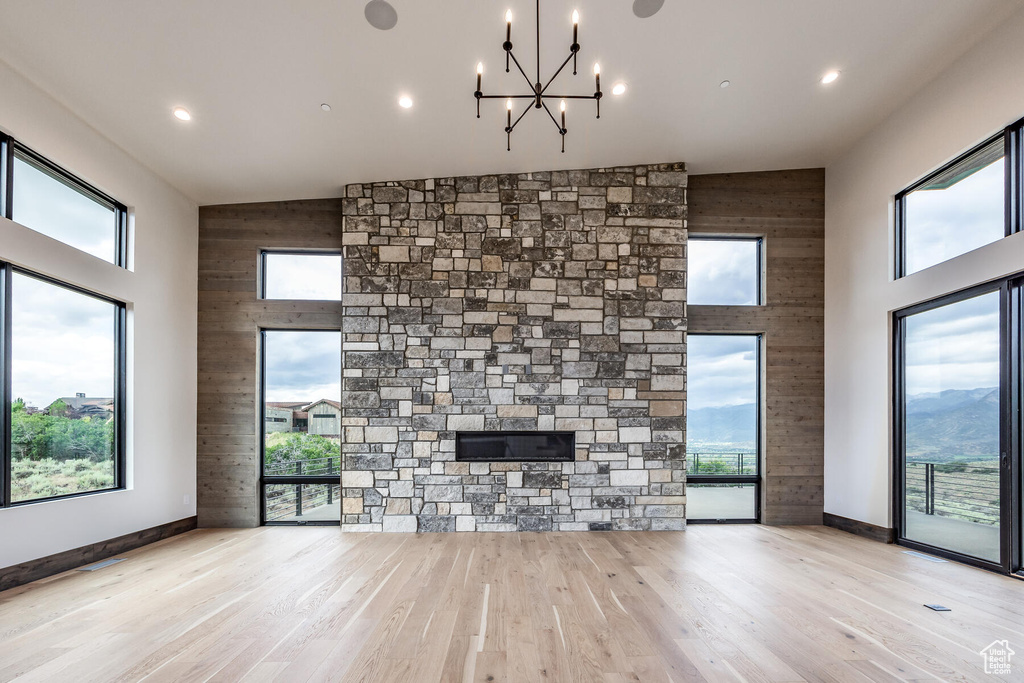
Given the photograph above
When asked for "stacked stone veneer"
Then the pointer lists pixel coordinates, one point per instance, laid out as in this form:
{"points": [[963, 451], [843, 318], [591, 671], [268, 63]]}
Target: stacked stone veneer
{"points": [[543, 301]]}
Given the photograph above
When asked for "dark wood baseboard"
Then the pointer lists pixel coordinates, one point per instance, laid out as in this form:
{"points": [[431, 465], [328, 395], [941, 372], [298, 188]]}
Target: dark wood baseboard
{"points": [[33, 570], [875, 533]]}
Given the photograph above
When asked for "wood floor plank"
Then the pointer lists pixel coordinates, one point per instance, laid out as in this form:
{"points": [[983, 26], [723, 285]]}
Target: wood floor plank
{"points": [[716, 603]]}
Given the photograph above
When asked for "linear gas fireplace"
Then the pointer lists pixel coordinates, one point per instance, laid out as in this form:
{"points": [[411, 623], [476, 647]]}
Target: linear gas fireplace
{"points": [[515, 446]]}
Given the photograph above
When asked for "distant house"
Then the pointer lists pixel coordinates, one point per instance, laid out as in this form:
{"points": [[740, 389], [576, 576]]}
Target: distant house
{"points": [[281, 416], [324, 418], [80, 405]]}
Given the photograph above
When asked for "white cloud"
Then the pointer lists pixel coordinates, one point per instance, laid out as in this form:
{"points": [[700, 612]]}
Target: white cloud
{"points": [[722, 272], [954, 347], [721, 370], [49, 206], [303, 366], [304, 276], [63, 343], [942, 224]]}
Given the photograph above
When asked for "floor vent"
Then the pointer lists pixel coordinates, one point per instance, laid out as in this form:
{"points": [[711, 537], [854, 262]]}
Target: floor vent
{"points": [[100, 565], [938, 608], [923, 556]]}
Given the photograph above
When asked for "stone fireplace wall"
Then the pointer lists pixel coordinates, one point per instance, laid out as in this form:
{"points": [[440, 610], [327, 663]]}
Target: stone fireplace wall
{"points": [[543, 301]]}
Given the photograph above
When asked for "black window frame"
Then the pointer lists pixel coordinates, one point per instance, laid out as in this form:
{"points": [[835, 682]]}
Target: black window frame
{"points": [[756, 479], [262, 271], [9, 147], [759, 240], [7, 271], [1011, 385], [1013, 161], [297, 480]]}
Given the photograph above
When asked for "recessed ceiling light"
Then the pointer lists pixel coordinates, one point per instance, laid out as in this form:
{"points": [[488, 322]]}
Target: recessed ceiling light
{"points": [[182, 114], [724, 84], [380, 14], [830, 77], [325, 106], [404, 101], [647, 8], [618, 88]]}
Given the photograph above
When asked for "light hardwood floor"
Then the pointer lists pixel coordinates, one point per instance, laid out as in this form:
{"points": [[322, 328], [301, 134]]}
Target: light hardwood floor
{"points": [[715, 603]]}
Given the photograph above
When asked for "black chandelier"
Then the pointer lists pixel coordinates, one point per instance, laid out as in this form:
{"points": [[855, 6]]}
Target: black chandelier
{"points": [[539, 93]]}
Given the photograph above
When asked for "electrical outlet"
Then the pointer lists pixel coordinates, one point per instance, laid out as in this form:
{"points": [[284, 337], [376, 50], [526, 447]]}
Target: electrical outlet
{"points": [[186, 499]]}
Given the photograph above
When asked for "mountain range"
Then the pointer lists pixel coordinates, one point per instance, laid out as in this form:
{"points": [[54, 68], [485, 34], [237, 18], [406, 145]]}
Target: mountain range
{"points": [[958, 424]]}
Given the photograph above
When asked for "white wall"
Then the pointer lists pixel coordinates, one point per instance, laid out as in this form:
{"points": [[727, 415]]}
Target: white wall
{"points": [[977, 96], [161, 295]]}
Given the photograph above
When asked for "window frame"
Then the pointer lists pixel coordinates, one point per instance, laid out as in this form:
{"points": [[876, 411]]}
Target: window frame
{"points": [[298, 480], [1011, 374], [9, 147], [760, 275], [756, 479], [7, 271], [1012, 174], [262, 269]]}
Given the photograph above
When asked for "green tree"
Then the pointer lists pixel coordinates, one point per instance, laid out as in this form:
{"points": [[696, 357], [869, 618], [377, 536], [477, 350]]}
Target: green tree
{"points": [[318, 454]]}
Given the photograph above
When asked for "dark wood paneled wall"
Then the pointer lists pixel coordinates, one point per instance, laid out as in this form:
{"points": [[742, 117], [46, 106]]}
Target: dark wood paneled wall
{"points": [[788, 209], [230, 317]]}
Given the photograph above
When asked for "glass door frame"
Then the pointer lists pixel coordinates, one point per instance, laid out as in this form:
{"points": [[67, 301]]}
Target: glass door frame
{"points": [[755, 478], [297, 480], [1011, 364]]}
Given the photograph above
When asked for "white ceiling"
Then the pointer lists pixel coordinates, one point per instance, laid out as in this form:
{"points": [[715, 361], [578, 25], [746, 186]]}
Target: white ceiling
{"points": [[254, 73]]}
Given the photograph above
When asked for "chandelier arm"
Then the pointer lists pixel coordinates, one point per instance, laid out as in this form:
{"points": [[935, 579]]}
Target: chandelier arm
{"points": [[550, 80], [553, 119], [508, 97], [518, 120], [518, 66], [565, 97]]}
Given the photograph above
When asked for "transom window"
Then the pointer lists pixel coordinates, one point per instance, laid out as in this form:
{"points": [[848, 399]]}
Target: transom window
{"points": [[972, 201], [45, 198], [724, 271], [300, 276]]}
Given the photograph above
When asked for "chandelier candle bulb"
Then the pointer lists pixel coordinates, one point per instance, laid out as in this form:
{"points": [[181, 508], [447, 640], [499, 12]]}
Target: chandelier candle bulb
{"points": [[540, 93]]}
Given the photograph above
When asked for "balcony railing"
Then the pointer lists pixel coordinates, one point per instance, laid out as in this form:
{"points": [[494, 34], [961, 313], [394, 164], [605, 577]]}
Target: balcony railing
{"points": [[315, 467], [290, 500], [293, 502], [721, 463], [966, 492]]}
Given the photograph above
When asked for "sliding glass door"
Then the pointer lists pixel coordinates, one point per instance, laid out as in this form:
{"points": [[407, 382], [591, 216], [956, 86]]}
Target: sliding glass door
{"points": [[959, 372], [951, 426]]}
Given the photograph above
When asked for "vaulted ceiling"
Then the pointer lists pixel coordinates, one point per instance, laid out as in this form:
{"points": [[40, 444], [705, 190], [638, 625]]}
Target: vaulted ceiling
{"points": [[254, 73]]}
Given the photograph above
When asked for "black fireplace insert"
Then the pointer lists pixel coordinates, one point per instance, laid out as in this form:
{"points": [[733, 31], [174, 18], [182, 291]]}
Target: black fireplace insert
{"points": [[515, 446]]}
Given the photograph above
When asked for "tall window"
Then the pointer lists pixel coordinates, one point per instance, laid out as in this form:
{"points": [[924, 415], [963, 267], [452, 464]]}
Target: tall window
{"points": [[723, 428], [959, 367], [64, 353], [301, 275], [302, 427], [62, 348], [723, 271], [51, 201]]}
